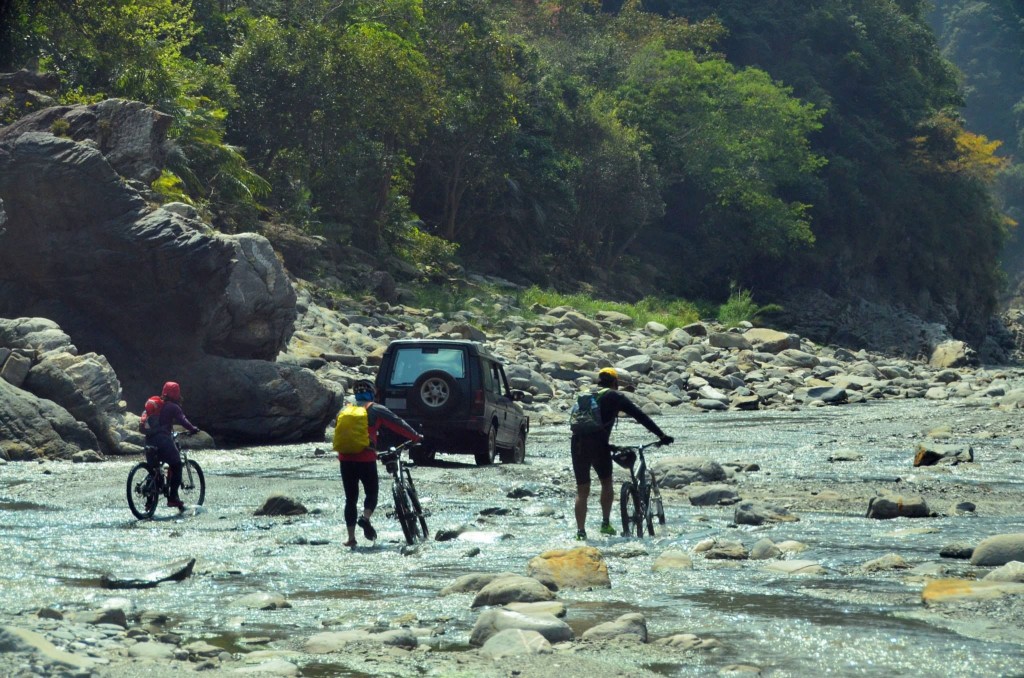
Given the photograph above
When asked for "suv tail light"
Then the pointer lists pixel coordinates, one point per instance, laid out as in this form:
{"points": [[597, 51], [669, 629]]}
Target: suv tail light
{"points": [[478, 403]]}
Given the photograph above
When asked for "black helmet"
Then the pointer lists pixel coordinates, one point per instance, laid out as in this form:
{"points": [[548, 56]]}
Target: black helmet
{"points": [[363, 386]]}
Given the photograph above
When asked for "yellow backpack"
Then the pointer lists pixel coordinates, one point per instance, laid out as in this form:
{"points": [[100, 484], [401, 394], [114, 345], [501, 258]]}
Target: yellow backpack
{"points": [[351, 430]]}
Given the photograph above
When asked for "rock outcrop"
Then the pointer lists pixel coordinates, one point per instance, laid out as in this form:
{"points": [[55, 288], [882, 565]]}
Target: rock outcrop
{"points": [[159, 295]]}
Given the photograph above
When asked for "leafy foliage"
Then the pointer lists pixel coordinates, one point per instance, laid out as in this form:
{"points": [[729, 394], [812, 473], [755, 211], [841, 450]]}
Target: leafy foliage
{"points": [[671, 146]]}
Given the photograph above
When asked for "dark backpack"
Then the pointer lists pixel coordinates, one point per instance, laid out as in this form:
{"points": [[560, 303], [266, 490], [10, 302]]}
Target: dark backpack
{"points": [[150, 421], [585, 416]]}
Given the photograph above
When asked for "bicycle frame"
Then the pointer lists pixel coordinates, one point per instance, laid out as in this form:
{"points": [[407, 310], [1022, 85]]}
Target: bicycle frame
{"points": [[147, 482], [407, 509], [641, 491], [186, 468]]}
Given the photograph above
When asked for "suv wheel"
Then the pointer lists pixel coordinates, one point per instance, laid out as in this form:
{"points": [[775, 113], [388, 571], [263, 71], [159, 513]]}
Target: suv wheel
{"points": [[486, 456], [434, 394], [517, 454]]}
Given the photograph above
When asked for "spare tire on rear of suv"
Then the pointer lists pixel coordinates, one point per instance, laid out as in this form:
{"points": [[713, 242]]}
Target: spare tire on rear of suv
{"points": [[434, 394]]}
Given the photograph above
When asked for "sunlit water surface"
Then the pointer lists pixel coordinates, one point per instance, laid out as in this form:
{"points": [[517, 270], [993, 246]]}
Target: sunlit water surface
{"points": [[845, 623]]}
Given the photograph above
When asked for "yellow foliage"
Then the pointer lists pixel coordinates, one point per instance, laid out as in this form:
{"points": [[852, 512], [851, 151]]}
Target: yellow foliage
{"points": [[969, 153], [976, 155]]}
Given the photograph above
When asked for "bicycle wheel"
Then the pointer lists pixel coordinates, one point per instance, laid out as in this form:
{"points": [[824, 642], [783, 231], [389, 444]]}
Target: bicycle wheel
{"points": [[193, 484], [414, 501], [143, 492], [646, 509], [629, 505], [404, 513], [657, 505]]}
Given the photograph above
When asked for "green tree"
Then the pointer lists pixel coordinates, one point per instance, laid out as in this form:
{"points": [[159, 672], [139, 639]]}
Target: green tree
{"points": [[329, 108], [480, 92], [733, 141]]}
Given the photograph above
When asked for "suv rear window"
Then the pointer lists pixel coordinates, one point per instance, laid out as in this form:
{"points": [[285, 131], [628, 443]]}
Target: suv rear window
{"points": [[411, 362]]}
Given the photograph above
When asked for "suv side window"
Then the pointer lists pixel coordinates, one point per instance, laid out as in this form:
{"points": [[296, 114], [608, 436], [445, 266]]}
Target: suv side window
{"points": [[487, 375], [496, 385]]}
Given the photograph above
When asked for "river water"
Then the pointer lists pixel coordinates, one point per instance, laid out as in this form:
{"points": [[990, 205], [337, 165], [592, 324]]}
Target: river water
{"points": [[65, 525]]}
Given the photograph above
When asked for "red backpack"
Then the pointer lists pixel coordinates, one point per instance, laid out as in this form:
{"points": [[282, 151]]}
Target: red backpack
{"points": [[150, 420]]}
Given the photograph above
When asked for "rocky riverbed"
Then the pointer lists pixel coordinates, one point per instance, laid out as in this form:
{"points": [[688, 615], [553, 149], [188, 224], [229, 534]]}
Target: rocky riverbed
{"points": [[816, 587]]}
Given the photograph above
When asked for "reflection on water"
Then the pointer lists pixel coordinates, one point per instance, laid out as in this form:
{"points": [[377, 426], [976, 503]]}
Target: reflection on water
{"points": [[23, 506], [319, 670]]}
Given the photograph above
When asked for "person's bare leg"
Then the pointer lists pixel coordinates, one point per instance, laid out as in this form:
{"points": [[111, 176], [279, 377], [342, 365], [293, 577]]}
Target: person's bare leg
{"points": [[607, 497], [582, 494]]}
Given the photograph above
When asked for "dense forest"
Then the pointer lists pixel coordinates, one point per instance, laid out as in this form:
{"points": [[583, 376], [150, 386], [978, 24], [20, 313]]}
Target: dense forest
{"points": [[683, 147], [985, 40]]}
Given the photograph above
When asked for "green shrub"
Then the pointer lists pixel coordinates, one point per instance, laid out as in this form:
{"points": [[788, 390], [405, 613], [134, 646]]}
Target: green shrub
{"points": [[170, 187], [424, 250], [60, 127], [669, 312], [741, 306]]}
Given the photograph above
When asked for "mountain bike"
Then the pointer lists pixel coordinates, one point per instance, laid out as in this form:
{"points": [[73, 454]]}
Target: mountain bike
{"points": [[147, 483], [639, 499], [408, 511]]}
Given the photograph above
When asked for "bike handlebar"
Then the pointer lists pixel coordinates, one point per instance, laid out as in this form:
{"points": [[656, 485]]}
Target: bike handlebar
{"points": [[396, 450]]}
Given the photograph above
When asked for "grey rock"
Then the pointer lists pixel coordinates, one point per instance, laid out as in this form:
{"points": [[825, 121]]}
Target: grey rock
{"points": [[678, 472], [712, 495], [280, 505], [930, 454], [232, 300], [471, 583], [492, 622], [633, 625], [765, 549], [1012, 571], [998, 550], [516, 588], [757, 513], [957, 550], [888, 505], [513, 642]]}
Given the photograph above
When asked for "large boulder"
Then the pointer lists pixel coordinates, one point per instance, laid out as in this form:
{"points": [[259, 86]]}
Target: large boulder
{"points": [[130, 135], [581, 567], [31, 427], [952, 353], [83, 385], [158, 294]]}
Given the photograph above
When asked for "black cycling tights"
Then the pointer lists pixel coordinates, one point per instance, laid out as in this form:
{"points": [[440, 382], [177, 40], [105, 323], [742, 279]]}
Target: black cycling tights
{"points": [[353, 473]]}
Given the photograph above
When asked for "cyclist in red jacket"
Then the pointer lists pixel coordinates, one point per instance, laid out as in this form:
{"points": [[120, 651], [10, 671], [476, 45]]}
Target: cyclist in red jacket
{"points": [[361, 467], [160, 436]]}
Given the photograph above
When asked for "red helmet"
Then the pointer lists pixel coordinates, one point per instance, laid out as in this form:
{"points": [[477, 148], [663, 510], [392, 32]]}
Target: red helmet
{"points": [[171, 391]]}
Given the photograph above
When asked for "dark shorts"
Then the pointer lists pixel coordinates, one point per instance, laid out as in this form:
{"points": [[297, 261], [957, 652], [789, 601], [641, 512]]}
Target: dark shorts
{"points": [[588, 453]]}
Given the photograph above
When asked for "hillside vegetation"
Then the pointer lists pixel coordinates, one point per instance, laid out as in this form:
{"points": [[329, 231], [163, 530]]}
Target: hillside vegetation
{"points": [[985, 39], [672, 147]]}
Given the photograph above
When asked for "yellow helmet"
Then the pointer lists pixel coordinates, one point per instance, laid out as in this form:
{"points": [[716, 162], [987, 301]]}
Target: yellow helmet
{"points": [[607, 374]]}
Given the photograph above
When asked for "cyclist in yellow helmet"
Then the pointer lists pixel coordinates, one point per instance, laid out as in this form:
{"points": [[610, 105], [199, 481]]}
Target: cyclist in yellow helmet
{"points": [[592, 450]]}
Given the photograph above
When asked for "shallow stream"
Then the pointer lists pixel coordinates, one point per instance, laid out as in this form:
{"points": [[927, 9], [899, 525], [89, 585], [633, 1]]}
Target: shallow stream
{"points": [[63, 526]]}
